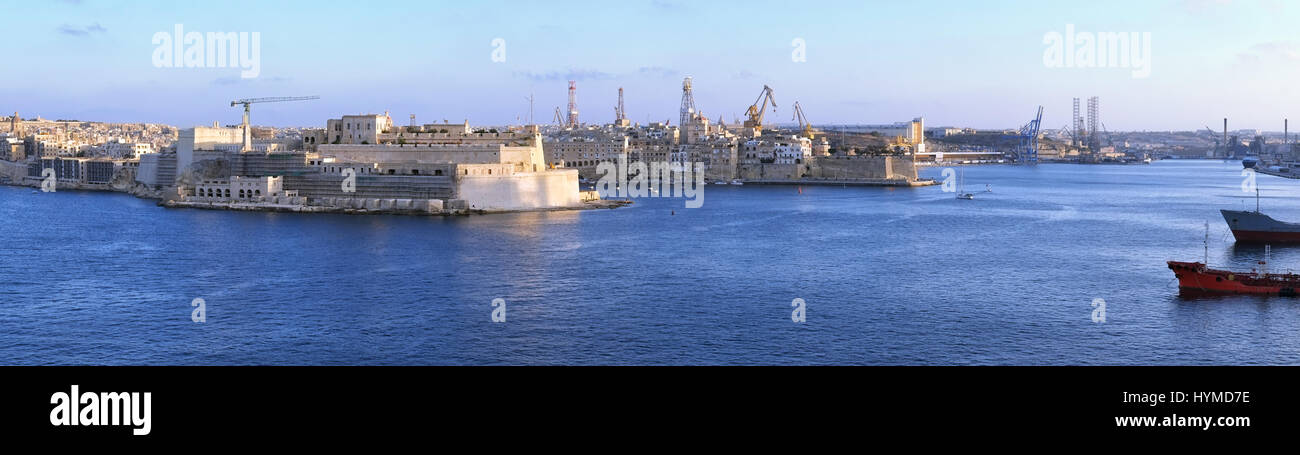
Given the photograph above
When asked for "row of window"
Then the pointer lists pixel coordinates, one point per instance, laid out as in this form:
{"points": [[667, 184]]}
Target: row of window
{"points": [[338, 127], [217, 192], [367, 170]]}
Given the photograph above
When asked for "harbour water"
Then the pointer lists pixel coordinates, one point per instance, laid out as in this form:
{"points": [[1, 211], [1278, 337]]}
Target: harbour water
{"points": [[889, 276]]}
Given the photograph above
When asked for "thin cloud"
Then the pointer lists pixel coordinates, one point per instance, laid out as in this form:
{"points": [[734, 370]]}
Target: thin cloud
{"points": [[593, 75], [576, 75], [1273, 52], [657, 71], [667, 5], [1201, 6], [233, 80], [72, 30]]}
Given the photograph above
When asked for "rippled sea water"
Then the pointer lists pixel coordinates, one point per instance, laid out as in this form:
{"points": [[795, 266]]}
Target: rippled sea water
{"points": [[890, 276]]}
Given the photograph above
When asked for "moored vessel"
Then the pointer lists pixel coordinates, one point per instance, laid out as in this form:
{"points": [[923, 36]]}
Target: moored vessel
{"points": [[1197, 278], [1256, 227]]}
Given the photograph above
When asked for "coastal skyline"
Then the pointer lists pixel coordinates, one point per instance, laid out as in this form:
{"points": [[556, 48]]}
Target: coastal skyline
{"points": [[956, 64], [245, 209]]}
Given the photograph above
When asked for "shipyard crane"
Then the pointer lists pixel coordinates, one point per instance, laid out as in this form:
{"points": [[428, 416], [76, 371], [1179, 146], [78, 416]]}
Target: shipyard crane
{"points": [[1217, 140], [248, 134], [755, 112], [559, 120], [803, 121], [1028, 149]]}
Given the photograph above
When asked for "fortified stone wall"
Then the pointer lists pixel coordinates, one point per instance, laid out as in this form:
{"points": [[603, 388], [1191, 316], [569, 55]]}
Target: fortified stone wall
{"points": [[521, 191], [771, 171], [831, 167], [372, 186], [873, 167]]}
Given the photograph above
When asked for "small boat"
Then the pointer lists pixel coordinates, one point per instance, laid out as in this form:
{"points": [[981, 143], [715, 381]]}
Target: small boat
{"points": [[737, 182], [720, 182], [961, 187]]}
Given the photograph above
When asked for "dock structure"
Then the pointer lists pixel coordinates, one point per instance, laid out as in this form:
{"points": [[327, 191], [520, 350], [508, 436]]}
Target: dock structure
{"points": [[843, 182]]}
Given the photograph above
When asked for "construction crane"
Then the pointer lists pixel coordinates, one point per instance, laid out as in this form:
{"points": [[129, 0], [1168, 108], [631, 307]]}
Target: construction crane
{"points": [[248, 134], [803, 121], [755, 112], [559, 120]]}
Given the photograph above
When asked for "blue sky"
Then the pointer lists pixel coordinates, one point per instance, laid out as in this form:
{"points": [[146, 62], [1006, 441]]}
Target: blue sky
{"points": [[958, 63]]}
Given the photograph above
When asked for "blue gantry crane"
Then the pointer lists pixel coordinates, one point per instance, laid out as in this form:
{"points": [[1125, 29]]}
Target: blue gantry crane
{"points": [[1027, 152]]}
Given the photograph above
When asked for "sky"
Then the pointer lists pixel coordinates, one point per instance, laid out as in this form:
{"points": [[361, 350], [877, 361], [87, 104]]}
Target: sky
{"points": [[957, 63]]}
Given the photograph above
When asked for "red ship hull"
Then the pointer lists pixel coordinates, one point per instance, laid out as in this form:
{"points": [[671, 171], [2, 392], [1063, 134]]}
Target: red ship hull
{"points": [[1196, 278], [1256, 227], [1266, 236]]}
